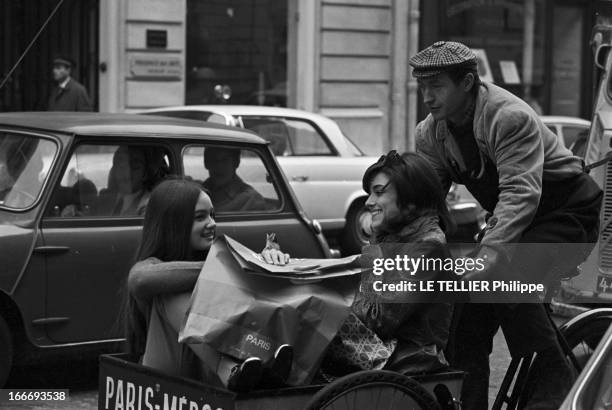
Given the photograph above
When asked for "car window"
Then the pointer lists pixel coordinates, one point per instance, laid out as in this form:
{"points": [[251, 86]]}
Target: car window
{"points": [[288, 136], [24, 167], [237, 179], [573, 133], [354, 149], [108, 181]]}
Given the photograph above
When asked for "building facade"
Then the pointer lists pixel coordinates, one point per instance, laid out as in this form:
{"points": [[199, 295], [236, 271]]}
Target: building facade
{"points": [[344, 58], [537, 49], [347, 59]]}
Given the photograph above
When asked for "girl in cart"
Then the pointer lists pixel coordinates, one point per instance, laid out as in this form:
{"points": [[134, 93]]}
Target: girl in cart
{"points": [[408, 332], [179, 229]]}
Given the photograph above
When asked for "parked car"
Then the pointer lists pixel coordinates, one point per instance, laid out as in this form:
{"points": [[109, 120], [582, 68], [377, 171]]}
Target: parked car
{"points": [[323, 166], [65, 253], [573, 131]]}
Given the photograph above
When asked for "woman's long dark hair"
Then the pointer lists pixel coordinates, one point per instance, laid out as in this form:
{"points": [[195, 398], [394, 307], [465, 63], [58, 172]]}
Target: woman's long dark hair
{"points": [[165, 236], [415, 181], [168, 221]]}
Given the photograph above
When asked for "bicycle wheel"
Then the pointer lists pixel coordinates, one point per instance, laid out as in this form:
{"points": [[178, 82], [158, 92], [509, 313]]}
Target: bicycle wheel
{"points": [[373, 389]]}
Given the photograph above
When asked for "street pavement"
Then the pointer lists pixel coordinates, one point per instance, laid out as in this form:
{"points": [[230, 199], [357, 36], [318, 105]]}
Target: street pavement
{"points": [[81, 379]]}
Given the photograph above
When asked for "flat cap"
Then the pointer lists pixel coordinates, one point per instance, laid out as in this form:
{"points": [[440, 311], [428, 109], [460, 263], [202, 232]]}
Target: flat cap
{"points": [[441, 56], [63, 60]]}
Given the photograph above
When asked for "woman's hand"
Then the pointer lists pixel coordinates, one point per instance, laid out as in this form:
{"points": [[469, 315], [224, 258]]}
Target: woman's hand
{"points": [[275, 256], [272, 253]]}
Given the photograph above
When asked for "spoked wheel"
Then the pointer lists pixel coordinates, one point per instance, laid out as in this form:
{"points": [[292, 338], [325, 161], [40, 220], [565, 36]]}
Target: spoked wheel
{"points": [[373, 389]]}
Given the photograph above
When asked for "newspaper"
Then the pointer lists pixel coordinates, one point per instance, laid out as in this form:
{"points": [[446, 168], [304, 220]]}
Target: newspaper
{"points": [[297, 268]]}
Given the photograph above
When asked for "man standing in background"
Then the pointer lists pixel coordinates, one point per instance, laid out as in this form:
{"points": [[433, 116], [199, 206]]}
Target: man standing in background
{"points": [[68, 94]]}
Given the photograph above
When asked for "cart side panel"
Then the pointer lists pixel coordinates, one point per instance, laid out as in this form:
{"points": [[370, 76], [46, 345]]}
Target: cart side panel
{"points": [[124, 384]]}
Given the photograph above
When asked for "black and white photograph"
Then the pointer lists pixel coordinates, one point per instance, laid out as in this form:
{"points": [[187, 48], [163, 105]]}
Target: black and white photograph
{"points": [[306, 204]]}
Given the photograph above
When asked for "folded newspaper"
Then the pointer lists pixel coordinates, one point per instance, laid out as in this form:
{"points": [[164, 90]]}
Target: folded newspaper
{"points": [[297, 268]]}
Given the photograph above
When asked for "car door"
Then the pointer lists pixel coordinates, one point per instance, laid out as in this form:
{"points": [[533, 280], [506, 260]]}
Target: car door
{"points": [[323, 181], [250, 197], [91, 237]]}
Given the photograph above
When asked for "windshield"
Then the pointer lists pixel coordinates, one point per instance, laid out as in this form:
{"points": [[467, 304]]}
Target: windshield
{"points": [[24, 166]]}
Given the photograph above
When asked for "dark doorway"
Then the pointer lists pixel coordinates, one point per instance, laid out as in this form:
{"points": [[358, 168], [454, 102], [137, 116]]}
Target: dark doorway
{"points": [[72, 31]]}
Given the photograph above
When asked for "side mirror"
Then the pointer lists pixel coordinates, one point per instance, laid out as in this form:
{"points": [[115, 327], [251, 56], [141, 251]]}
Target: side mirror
{"points": [[601, 54]]}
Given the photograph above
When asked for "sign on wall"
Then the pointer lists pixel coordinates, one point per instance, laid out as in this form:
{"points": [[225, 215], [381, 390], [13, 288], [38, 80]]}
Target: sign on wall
{"points": [[484, 70], [156, 66], [509, 72]]}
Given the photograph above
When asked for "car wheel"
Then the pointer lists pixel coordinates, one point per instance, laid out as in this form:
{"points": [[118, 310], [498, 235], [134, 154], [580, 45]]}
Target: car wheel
{"points": [[354, 236], [6, 352]]}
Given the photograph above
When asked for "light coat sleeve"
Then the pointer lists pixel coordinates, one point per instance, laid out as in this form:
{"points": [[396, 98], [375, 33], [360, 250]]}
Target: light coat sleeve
{"points": [[519, 156], [150, 278]]}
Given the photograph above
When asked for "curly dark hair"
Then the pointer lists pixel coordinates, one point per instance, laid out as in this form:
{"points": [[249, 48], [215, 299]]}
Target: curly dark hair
{"points": [[415, 181]]}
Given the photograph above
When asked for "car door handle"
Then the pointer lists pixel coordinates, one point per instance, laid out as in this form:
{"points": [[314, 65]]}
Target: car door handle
{"points": [[300, 178], [51, 250]]}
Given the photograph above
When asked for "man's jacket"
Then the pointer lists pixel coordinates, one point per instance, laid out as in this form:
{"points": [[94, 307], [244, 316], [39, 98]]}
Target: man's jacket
{"points": [[73, 97], [522, 149]]}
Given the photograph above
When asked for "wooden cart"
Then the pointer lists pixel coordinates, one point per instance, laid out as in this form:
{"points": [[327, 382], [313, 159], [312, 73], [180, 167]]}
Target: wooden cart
{"points": [[124, 384]]}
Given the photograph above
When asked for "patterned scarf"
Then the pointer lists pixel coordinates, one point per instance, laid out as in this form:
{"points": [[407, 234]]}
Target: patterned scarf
{"points": [[368, 304]]}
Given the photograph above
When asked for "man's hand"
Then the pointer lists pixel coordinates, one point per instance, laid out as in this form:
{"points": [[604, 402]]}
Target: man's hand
{"points": [[491, 259], [275, 256]]}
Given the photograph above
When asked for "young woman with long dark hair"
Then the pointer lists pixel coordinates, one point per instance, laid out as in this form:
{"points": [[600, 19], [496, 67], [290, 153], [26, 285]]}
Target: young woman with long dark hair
{"points": [[179, 229]]}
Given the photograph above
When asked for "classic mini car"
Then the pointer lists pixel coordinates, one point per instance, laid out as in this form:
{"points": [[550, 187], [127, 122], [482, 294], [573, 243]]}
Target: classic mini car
{"points": [[323, 166], [68, 239]]}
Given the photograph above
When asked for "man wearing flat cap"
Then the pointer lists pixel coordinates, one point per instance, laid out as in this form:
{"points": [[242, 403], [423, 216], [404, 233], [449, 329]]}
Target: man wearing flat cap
{"points": [[535, 191], [68, 94]]}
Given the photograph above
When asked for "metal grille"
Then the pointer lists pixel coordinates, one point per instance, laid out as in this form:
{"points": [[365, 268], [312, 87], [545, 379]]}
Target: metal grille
{"points": [[605, 235]]}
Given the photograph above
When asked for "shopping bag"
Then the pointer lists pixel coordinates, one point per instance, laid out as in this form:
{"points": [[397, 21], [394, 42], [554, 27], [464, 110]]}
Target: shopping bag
{"points": [[244, 315]]}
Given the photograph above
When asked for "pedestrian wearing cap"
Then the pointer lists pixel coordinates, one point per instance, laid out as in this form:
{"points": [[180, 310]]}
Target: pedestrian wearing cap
{"points": [[536, 191], [68, 94]]}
